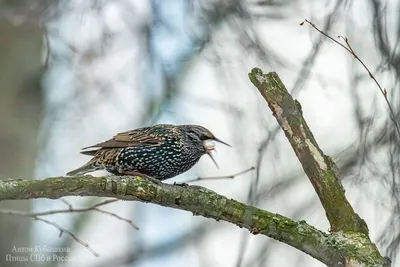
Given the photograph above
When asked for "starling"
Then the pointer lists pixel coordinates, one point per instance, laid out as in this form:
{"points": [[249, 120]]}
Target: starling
{"points": [[160, 151]]}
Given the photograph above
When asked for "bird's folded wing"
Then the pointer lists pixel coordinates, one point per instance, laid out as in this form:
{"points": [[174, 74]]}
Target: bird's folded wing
{"points": [[138, 137]]}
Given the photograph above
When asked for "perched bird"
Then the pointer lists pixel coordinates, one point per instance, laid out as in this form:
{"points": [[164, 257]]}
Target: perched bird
{"points": [[160, 151]]}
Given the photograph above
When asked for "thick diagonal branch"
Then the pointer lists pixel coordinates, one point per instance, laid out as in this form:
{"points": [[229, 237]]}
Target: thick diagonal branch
{"points": [[329, 249], [320, 169]]}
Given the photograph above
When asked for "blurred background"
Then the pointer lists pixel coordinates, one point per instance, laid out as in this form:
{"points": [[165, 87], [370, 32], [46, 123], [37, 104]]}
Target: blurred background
{"points": [[76, 72]]}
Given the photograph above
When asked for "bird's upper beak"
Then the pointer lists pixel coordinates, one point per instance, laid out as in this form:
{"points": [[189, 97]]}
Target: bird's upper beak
{"points": [[209, 144], [222, 142]]}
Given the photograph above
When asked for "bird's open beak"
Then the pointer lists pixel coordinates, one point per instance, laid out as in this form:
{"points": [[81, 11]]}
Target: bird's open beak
{"points": [[210, 146]]}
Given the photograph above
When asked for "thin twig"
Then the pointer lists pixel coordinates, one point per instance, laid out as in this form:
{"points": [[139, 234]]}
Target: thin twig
{"points": [[66, 203], [51, 212], [351, 51], [231, 176], [47, 42], [63, 230], [118, 217], [57, 226], [71, 209]]}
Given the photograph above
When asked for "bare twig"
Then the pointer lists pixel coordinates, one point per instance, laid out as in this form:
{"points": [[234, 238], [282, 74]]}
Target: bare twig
{"points": [[48, 48], [231, 176], [66, 203], [349, 49], [71, 209], [118, 217], [63, 230]]}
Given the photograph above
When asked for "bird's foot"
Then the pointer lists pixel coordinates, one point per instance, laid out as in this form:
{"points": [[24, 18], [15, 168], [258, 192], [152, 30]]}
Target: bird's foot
{"points": [[133, 173], [181, 184], [154, 180]]}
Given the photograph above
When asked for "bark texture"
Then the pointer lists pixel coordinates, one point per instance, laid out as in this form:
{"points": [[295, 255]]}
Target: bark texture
{"points": [[320, 169]]}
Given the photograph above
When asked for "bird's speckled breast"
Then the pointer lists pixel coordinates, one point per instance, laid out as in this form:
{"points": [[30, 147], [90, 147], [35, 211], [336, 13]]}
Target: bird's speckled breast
{"points": [[163, 161]]}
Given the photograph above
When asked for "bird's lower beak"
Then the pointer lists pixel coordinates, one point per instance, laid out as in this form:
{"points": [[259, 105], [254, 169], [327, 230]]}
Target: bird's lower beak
{"points": [[212, 157], [211, 147]]}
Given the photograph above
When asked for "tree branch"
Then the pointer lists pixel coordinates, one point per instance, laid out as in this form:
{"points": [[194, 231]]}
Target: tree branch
{"points": [[320, 169], [327, 248]]}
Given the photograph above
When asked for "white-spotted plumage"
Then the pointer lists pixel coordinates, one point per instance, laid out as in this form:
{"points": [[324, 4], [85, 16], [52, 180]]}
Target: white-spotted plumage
{"points": [[161, 151]]}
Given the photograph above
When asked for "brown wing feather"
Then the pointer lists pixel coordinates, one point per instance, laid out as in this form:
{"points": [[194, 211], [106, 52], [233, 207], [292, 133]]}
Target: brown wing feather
{"points": [[147, 136], [103, 159]]}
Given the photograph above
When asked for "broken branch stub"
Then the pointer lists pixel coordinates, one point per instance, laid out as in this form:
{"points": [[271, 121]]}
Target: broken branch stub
{"points": [[320, 169]]}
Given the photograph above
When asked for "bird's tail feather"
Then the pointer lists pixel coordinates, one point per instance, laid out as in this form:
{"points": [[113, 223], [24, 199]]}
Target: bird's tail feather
{"points": [[88, 167]]}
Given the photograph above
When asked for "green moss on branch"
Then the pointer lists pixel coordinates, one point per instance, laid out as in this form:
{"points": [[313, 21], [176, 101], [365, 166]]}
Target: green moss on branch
{"points": [[200, 201], [320, 169]]}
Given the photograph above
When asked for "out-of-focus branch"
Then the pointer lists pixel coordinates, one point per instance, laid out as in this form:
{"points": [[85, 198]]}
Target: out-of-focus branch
{"points": [[327, 248], [349, 49], [320, 169], [231, 176], [72, 210], [37, 216]]}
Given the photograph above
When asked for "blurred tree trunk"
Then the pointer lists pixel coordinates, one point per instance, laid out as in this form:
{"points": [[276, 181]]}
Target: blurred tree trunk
{"points": [[20, 74]]}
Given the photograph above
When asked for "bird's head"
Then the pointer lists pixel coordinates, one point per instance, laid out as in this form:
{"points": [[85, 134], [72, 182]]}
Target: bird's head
{"points": [[203, 139]]}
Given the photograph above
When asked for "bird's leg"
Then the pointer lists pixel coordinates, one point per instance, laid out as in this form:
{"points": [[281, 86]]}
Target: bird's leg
{"points": [[183, 184], [134, 173]]}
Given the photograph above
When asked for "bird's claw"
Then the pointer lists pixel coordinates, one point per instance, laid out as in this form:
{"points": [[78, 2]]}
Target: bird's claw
{"points": [[181, 184], [152, 179], [134, 173]]}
